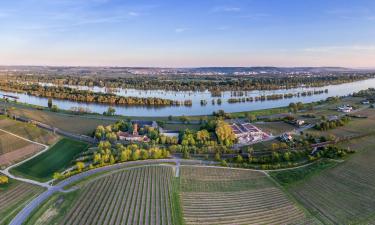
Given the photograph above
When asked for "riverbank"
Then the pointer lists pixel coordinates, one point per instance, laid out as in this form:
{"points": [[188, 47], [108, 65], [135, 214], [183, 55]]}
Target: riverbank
{"points": [[196, 109]]}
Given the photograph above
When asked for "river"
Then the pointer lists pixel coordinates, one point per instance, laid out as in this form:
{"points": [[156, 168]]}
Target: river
{"points": [[196, 97]]}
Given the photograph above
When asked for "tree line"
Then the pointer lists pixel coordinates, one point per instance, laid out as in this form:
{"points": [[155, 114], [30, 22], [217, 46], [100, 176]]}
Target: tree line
{"points": [[214, 83], [67, 93]]}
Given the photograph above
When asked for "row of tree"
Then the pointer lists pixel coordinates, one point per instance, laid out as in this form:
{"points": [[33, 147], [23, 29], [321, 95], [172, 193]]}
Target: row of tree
{"points": [[67, 93], [214, 83]]}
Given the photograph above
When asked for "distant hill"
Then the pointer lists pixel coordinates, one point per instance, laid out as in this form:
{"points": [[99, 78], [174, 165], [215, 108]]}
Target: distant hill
{"points": [[124, 71]]}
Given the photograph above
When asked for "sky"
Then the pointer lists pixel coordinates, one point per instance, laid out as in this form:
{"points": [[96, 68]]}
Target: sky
{"points": [[188, 33]]}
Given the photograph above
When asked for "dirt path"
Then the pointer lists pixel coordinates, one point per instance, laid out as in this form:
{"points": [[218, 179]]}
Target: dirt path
{"points": [[6, 171]]}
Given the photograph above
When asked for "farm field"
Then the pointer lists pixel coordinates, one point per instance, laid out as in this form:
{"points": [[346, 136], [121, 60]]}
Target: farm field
{"points": [[230, 196], [275, 128], [14, 149], [57, 158], [356, 127], [13, 197], [181, 127], [342, 194], [28, 131], [71, 123], [140, 195]]}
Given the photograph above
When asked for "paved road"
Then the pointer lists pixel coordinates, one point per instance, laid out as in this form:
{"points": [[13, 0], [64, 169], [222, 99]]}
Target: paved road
{"points": [[27, 210]]}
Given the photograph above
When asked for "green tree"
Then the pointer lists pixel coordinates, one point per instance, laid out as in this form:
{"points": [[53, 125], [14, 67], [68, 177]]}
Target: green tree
{"points": [[80, 166], [50, 103]]}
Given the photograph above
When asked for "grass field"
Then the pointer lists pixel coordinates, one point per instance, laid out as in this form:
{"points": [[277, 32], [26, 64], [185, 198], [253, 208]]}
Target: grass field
{"points": [[71, 123], [182, 127], [342, 194], [28, 131], [140, 195], [275, 128], [356, 127], [228, 196], [57, 158], [13, 197]]}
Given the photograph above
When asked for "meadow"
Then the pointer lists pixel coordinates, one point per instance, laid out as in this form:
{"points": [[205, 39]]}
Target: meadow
{"points": [[56, 159]]}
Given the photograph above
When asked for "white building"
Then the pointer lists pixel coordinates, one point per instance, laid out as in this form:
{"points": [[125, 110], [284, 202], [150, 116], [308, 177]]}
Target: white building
{"points": [[247, 133], [345, 109]]}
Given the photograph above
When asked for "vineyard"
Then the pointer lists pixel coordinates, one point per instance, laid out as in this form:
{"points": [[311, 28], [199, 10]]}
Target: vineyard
{"points": [[134, 196], [14, 149], [344, 194], [28, 131], [14, 197], [229, 196]]}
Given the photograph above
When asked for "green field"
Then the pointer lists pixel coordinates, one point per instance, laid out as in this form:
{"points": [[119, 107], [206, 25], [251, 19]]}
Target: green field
{"points": [[13, 197], [356, 127], [57, 158], [275, 128]]}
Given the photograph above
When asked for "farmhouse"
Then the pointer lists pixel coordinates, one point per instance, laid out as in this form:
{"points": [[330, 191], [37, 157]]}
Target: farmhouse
{"points": [[135, 136], [247, 133], [287, 137]]}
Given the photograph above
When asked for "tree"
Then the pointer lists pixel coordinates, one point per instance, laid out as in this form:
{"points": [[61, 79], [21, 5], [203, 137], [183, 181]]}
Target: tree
{"points": [[275, 146], [225, 133], [224, 163], [4, 180], [50, 103], [239, 159], [144, 154], [54, 108], [184, 119], [251, 117], [203, 136], [217, 156], [110, 111], [80, 166], [100, 132], [57, 176], [125, 155]]}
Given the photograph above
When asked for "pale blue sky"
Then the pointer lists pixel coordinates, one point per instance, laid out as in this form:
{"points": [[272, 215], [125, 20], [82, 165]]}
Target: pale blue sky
{"points": [[180, 33]]}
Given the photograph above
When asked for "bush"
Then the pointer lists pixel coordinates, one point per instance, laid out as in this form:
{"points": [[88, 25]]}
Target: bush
{"points": [[4, 180]]}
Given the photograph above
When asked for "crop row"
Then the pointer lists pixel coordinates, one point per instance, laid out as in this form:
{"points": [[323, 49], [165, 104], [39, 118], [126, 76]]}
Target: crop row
{"points": [[236, 201], [135, 196], [341, 195], [218, 174]]}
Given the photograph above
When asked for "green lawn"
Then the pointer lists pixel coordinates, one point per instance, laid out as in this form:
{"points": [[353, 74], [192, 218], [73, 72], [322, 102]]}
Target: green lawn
{"points": [[295, 176], [57, 158]]}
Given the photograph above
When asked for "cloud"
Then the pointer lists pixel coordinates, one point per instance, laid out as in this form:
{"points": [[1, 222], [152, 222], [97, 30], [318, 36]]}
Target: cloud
{"points": [[133, 14], [219, 9], [181, 29], [255, 16], [341, 48]]}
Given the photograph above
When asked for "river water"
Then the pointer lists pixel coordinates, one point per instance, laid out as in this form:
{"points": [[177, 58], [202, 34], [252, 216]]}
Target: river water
{"points": [[196, 97]]}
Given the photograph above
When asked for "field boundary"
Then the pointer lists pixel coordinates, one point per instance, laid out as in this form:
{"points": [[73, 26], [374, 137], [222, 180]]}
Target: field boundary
{"points": [[30, 181]]}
